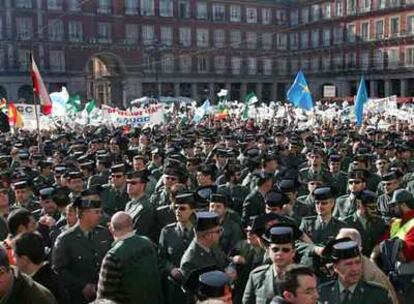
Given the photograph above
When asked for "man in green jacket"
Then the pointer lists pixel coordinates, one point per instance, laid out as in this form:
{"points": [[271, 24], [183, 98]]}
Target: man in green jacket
{"points": [[129, 272], [349, 287], [115, 196]]}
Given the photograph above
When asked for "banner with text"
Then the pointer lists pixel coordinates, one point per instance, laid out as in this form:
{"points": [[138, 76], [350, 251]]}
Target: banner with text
{"points": [[153, 114]]}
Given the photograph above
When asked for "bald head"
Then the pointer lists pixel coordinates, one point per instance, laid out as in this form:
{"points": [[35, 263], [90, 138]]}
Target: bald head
{"points": [[121, 223]]}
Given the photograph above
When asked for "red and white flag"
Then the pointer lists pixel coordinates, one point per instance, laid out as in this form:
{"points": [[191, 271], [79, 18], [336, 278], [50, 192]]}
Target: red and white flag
{"points": [[39, 88]]}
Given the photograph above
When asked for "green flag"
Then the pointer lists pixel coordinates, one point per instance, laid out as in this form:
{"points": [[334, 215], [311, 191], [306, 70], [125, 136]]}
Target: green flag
{"points": [[90, 106], [73, 105], [249, 100]]}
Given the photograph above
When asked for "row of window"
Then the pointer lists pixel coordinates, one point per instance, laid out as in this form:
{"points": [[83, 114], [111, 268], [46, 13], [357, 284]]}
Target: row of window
{"points": [[380, 59], [22, 62], [341, 8], [147, 34], [203, 11], [368, 30]]}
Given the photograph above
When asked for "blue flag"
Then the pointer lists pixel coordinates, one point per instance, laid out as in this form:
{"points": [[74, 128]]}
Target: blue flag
{"points": [[299, 93], [360, 100], [201, 111]]}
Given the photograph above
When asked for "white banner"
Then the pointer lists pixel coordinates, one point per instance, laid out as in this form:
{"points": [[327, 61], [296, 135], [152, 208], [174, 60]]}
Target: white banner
{"points": [[380, 105], [29, 117], [154, 114]]}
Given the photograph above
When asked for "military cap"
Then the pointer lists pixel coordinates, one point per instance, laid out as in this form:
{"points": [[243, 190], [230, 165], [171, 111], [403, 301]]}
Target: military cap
{"points": [[219, 198], [341, 249], [314, 178], [389, 176], [276, 199], [212, 284], [205, 192], [21, 184], [171, 171], [262, 176], [287, 185], [263, 222], [61, 196], [316, 151], [92, 190], [77, 154], [206, 220], [45, 164], [74, 174], [24, 156], [86, 204], [279, 234], [103, 159], [142, 175], [139, 156], [83, 159], [367, 197], [186, 198], [402, 196], [252, 152], [60, 169], [118, 168], [87, 165], [335, 158], [357, 174], [323, 193], [222, 152], [192, 282], [361, 157], [37, 156], [46, 193]]}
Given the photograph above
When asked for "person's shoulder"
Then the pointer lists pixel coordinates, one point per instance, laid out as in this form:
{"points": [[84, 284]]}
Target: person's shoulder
{"points": [[342, 197], [309, 219], [261, 269], [327, 285], [69, 233], [372, 286]]}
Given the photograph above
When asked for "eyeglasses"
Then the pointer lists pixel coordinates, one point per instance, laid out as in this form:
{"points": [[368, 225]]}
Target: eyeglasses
{"points": [[181, 208], [356, 182], [173, 178], [280, 249], [117, 176]]}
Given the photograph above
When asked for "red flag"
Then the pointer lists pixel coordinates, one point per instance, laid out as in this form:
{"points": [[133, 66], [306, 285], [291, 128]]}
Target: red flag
{"points": [[39, 88], [15, 117]]}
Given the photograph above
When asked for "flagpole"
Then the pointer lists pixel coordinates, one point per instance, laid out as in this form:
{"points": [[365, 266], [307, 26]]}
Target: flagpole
{"points": [[39, 140]]}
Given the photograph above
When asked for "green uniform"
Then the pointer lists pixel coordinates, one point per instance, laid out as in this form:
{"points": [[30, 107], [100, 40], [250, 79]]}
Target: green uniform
{"points": [[253, 256], [371, 230], [113, 200], [372, 181], [174, 240], [340, 182], [77, 258], [236, 194], [150, 186], [254, 204], [308, 201], [382, 206], [308, 173], [160, 198], [42, 181], [364, 293], [232, 233], [301, 210], [320, 234], [196, 257], [130, 274], [4, 230], [142, 213], [30, 205], [345, 205], [262, 286]]}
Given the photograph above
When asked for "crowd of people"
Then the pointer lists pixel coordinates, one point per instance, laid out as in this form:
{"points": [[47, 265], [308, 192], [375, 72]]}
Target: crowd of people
{"points": [[225, 211]]}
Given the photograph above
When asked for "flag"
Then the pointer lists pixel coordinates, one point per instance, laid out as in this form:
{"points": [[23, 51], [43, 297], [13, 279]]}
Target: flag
{"points": [[15, 117], [73, 105], [249, 100], [39, 88], [360, 99], [90, 106], [59, 100], [201, 111], [299, 93]]}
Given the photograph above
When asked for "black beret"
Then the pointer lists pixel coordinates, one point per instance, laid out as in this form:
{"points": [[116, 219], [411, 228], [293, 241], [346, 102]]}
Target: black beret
{"points": [[287, 185], [367, 197], [279, 234], [212, 284]]}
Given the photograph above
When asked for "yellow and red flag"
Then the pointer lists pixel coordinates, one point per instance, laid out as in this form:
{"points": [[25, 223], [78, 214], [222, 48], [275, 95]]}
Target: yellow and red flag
{"points": [[15, 117]]}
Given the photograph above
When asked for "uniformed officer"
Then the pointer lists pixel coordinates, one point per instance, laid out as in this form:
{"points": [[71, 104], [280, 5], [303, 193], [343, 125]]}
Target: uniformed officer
{"points": [[75, 184], [262, 285], [320, 228], [346, 204], [349, 287], [139, 164], [78, 252], [367, 221], [174, 240], [103, 163], [204, 250], [45, 177], [232, 230], [115, 196], [339, 177], [308, 199], [24, 196], [391, 183], [170, 178], [361, 162], [254, 203], [139, 207]]}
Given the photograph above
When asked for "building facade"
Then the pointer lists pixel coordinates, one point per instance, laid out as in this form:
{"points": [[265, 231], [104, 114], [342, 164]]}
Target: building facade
{"points": [[118, 50]]}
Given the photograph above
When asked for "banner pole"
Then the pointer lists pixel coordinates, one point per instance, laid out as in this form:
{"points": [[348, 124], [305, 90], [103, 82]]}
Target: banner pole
{"points": [[39, 140]]}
